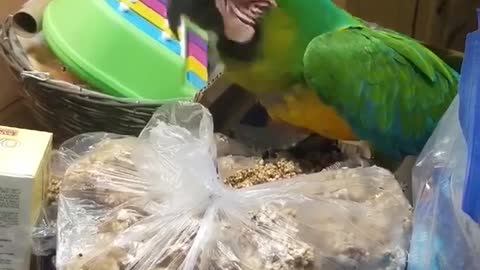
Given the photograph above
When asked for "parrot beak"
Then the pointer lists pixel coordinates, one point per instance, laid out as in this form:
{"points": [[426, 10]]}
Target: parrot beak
{"points": [[175, 10]]}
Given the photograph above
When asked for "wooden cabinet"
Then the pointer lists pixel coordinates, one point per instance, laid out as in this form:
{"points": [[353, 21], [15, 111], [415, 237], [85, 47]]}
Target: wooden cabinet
{"points": [[398, 15], [443, 23], [446, 22]]}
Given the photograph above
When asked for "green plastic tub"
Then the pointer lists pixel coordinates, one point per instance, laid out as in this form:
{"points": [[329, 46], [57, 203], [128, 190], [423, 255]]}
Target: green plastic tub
{"points": [[126, 49]]}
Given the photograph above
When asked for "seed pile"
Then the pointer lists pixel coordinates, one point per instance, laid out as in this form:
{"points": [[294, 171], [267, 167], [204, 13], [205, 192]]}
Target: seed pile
{"points": [[285, 251], [264, 172], [53, 189], [281, 165]]}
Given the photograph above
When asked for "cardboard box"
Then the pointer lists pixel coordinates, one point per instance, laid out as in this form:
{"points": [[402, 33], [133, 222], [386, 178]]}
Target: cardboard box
{"points": [[10, 6], [23, 169], [19, 115], [13, 112], [9, 87]]}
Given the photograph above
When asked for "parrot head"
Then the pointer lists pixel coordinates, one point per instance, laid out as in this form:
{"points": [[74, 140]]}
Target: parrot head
{"points": [[234, 20]]}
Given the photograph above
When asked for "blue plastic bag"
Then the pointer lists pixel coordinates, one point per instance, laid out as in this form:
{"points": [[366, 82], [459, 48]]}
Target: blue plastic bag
{"points": [[446, 181]]}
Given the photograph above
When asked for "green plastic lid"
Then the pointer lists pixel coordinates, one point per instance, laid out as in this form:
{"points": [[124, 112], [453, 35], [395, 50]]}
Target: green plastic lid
{"points": [[125, 48]]}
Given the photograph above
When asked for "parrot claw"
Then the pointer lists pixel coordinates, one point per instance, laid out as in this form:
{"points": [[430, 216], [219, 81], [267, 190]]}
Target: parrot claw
{"points": [[355, 149]]}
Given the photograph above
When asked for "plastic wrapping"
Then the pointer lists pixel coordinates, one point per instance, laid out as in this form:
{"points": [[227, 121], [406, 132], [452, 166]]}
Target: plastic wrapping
{"points": [[227, 146], [44, 233], [444, 237], [446, 181], [155, 202]]}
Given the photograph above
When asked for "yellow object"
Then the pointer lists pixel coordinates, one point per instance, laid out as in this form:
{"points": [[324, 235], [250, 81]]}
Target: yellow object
{"points": [[23, 162], [197, 68], [149, 14]]}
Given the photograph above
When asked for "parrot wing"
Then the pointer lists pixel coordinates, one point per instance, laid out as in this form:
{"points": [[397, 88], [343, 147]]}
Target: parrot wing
{"points": [[453, 58], [389, 88]]}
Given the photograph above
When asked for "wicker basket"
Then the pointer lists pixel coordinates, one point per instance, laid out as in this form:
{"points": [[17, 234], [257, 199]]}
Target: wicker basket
{"points": [[67, 109]]}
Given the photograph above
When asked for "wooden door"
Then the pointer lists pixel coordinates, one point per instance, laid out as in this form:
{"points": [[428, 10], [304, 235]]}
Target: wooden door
{"points": [[446, 22], [398, 15]]}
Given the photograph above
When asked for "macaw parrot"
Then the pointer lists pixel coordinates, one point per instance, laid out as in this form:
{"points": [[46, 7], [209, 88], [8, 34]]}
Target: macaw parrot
{"points": [[315, 66]]}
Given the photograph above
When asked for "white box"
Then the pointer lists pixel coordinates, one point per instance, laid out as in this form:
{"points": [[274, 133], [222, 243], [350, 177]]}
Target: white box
{"points": [[24, 158]]}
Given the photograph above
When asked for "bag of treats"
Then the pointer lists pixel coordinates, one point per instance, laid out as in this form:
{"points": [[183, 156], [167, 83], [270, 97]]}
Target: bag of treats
{"points": [[156, 202]]}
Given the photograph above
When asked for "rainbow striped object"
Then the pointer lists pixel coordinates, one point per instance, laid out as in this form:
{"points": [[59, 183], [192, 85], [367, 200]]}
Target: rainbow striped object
{"points": [[149, 16]]}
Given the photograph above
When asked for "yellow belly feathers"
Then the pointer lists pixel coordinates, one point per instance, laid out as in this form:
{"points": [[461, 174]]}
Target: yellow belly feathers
{"points": [[299, 107], [307, 111]]}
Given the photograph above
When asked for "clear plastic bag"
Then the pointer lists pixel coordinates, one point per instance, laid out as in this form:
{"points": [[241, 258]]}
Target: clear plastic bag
{"points": [[155, 202], [444, 236], [445, 181], [44, 233]]}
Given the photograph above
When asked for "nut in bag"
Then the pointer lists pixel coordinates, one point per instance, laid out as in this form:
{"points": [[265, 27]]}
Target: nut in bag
{"points": [[156, 202]]}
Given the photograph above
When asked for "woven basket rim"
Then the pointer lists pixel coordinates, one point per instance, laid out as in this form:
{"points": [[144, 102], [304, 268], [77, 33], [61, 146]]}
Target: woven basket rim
{"points": [[12, 51]]}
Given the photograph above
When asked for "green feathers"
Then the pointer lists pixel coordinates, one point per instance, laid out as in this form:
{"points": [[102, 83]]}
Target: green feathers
{"points": [[389, 88]]}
